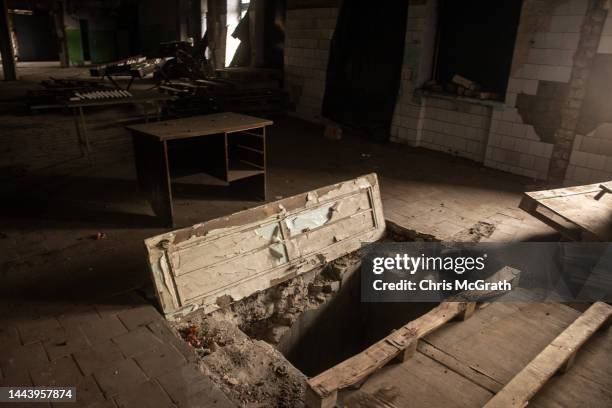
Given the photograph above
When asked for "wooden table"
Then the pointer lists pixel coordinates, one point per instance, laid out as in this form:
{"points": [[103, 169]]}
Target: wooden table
{"points": [[229, 146], [156, 99]]}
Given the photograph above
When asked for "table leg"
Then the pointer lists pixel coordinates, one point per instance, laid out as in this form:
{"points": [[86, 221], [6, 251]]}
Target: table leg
{"points": [[115, 84], [151, 158], [158, 110], [77, 114], [84, 127], [265, 167]]}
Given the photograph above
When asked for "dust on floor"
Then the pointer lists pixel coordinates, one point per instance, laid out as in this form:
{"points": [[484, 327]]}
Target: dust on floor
{"points": [[252, 373]]}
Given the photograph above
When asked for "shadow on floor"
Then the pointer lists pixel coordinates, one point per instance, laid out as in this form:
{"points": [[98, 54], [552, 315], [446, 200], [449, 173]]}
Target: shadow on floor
{"points": [[94, 202]]}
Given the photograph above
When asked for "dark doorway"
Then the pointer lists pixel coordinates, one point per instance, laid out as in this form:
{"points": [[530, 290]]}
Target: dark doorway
{"points": [[36, 36], [365, 64], [84, 26]]}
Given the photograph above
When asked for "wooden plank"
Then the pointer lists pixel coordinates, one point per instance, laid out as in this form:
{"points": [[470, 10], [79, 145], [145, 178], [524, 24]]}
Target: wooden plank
{"points": [[487, 341], [587, 384], [564, 192], [151, 159], [212, 264], [534, 376], [400, 344], [458, 366], [565, 227], [216, 123], [360, 366], [419, 382], [592, 216]]}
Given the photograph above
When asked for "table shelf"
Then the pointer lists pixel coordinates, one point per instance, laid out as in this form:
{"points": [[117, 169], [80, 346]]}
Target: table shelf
{"points": [[238, 170]]}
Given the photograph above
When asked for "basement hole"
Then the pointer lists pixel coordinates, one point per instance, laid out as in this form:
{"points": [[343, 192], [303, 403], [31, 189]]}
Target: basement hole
{"points": [[261, 349]]}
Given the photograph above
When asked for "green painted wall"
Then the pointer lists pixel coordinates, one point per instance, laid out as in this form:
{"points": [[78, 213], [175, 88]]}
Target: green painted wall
{"points": [[75, 50]]}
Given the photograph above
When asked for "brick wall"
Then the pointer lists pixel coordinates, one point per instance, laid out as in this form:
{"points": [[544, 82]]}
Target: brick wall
{"points": [[591, 158], [521, 140], [498, 134], [439, 123], [307, 41], [458, 128], [605, 43], [519, 135], [409, 113]]}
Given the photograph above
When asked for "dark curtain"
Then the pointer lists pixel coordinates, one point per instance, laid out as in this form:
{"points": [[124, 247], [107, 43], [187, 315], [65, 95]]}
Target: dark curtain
{"points": [[365, 64]]}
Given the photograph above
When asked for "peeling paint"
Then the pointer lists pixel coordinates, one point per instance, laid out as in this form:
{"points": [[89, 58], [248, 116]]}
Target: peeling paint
{"points": [[310, 219], [268, 232], [226, 259]]}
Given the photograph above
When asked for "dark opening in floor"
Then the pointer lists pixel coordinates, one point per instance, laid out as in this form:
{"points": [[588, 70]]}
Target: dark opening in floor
{"points": [[343, 327]]}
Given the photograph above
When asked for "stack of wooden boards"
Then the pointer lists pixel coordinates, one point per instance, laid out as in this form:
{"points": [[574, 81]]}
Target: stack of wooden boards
{"points": [[580, 213]]}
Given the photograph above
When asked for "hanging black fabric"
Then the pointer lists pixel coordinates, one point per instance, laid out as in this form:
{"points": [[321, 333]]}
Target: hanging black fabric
{"points": [[365, 65]]}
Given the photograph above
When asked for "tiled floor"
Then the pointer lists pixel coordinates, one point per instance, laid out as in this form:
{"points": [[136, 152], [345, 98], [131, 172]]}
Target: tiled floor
{"points": [[61, 319], [117, 352]]}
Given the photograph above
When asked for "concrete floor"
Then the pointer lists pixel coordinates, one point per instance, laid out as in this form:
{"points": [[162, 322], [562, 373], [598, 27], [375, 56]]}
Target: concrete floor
{"points": [[54, 203]]}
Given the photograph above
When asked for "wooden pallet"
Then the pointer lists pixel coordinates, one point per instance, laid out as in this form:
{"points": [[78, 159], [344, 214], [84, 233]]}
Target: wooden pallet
{"points": [[580, 213], [506, 355], [322, 391]]}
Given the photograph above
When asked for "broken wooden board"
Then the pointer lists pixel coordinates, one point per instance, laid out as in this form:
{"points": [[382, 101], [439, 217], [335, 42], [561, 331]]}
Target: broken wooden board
{"points": [[215, 263], [575, 212], [558, 355]]}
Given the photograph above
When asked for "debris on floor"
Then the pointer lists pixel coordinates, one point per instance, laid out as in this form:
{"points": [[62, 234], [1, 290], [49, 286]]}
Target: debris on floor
{"points": [[268, 315], [333, 131], [475, 233], [250, 372]]}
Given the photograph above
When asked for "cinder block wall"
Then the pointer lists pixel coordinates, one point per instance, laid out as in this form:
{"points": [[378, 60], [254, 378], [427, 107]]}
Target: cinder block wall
{"points": [[409, 115], [547, 39], [548, 73], [457, 128], [591, 158], [307, 39], [544, 59]]}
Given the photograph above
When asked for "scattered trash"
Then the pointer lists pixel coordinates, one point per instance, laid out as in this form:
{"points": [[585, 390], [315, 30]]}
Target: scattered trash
{"points": [[461, 86], [190, 334], [333, 131], [99, 236]]}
